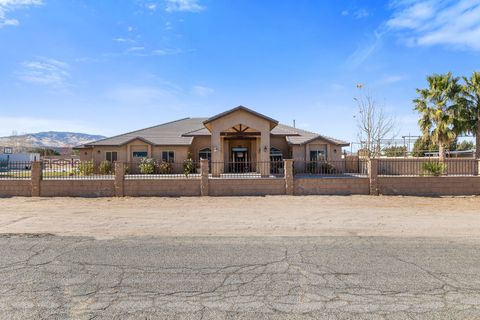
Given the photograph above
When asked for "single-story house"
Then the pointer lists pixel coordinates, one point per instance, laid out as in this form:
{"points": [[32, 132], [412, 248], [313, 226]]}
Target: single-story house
{"points": [[239, 135]]}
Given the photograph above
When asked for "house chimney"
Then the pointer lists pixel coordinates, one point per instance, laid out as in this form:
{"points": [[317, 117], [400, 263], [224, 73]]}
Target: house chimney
{"points": [[294, 123]]}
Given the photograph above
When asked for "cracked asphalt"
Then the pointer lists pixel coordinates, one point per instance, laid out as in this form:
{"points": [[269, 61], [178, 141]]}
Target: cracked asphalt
{"points": [[51, 277]]}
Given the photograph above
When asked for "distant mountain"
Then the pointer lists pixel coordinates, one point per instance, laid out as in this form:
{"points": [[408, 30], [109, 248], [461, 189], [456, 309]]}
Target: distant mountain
{"points": [[53, 139]]}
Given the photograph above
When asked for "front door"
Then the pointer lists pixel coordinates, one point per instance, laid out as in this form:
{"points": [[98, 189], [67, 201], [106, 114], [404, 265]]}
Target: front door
{"points": [[239, 160]]}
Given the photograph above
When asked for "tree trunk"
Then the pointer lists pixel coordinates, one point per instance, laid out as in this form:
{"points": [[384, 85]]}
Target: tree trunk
{"points": [[477, 139], [441, 152]]}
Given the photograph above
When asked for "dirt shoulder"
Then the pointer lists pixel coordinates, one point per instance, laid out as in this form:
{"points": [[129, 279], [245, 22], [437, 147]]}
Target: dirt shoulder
{"points": [[105, 218]]}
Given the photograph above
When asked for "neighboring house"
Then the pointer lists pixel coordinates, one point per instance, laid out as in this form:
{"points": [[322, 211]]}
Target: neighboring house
{"points": [[239, 135]]}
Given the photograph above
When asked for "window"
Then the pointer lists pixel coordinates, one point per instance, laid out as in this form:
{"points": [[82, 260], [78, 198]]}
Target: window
{"points": [[275, 154], [140, 154], [111, 156], [168, 156], [205, 154], [317, 155]]}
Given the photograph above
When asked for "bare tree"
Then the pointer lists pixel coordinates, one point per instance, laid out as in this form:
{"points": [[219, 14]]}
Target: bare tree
{"points": [[373, 123]]}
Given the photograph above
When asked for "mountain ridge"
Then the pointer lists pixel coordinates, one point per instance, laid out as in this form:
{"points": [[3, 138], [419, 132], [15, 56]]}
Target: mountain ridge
{"points": [[52, 139]]}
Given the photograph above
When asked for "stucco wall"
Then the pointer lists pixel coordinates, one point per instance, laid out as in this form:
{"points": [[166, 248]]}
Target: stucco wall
{"points": [[429, 186], [11, 188], [332, 186], [162, 187], [246, 187], [77, 188]]}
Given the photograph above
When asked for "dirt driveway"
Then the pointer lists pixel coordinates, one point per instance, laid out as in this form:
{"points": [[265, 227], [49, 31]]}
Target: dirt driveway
{"points": [[106, 218]]}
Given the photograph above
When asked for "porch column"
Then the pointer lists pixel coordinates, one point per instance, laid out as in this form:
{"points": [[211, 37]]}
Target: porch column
{"points": [[264, 156], [217, 154]]}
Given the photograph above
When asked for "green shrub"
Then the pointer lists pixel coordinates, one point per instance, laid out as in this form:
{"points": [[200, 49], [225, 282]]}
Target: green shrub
{"points": [[321, 168], [106, 167], [165, 167], [147, 166], [433, 168], [85, 168], [188, 167]]}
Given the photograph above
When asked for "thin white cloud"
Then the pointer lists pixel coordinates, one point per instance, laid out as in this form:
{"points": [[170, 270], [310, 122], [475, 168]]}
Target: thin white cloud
{"points": [[361, 13], [364, 51], [44, 72], [183, 5], [140, 96], [357, 14], [202, 91], [438, 22], [390, 79], [7, 6], [143, 52]]}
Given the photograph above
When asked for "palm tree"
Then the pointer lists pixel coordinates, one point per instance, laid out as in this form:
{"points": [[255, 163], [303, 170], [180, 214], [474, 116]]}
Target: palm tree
{"points": [[440, 110], [471, 99]]}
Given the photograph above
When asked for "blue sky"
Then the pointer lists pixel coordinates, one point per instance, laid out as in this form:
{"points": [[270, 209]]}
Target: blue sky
{"points": [[107, 67]]}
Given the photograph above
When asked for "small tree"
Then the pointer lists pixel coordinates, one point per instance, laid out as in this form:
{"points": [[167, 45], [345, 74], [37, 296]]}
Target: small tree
{"points": [[395, 151], [374, 125]]}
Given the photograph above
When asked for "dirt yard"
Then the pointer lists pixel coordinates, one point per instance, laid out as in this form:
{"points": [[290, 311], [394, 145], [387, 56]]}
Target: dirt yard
{"points": [[105, 218]]}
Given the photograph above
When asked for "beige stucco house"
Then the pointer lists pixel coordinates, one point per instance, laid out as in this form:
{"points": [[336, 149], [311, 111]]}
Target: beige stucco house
{"points": [[239, 135]]}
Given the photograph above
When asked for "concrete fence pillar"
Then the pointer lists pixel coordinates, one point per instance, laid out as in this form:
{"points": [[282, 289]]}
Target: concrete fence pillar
{"points": [[478, 167], [373, 176], [119, 179], [204, 177], [289, 178], [36, 178]]}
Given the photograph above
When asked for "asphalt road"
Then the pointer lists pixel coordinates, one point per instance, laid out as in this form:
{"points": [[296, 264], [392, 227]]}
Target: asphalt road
{"points": [[49, 277]]}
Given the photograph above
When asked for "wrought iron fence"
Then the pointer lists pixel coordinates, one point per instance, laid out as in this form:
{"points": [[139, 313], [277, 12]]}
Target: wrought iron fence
{"points": [[77, 170], [15, 169], [156, 169], [343, 167], [427, 167], [247, 169]]}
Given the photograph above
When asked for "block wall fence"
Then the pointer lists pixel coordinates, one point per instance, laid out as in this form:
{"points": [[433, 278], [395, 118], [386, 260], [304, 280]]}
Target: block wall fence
{"points": [[209, 186]]}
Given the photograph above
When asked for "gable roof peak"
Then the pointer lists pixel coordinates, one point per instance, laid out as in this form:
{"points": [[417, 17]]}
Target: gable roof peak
{"points": [[240, 107]]}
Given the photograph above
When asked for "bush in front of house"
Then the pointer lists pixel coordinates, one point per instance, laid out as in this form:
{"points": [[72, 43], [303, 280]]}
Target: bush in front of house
{"points": [[188, 167], [320, 168], [147, 166], [105, 167], [85, 168], [165, 167], [432, 168]]}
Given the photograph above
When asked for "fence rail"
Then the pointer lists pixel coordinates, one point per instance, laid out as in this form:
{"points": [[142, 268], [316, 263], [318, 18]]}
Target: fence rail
{"points": [[77, 170], [155, 169], [247, 170], [343, 167], [427, 167], [15, 169]]}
